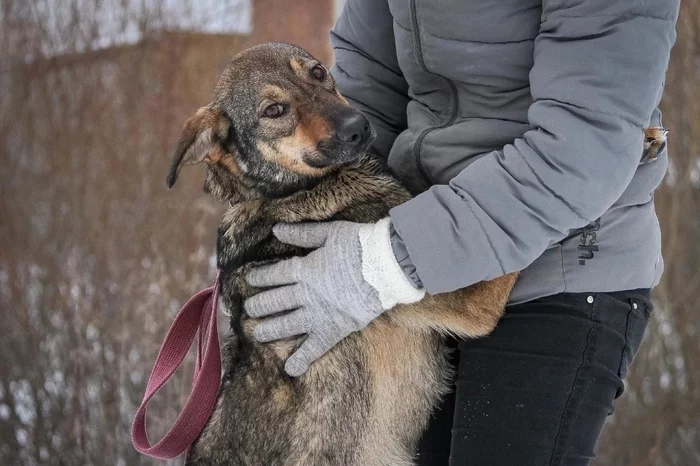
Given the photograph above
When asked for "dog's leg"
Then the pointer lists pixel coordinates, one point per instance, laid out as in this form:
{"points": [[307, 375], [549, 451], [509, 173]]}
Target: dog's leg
{"points": [[247, 224], [241, 229], [471, 312], [242, 234], [351, 188]]}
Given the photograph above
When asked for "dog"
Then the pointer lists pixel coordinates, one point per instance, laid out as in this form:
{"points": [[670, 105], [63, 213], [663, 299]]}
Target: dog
{"points": [[281, 144]]}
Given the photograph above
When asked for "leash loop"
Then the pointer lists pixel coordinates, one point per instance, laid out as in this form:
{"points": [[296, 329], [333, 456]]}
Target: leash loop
{"points": [[197, 317]]}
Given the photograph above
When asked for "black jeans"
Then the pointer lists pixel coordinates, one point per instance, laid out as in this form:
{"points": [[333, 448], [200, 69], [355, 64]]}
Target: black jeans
{"points": [[538, 389]]}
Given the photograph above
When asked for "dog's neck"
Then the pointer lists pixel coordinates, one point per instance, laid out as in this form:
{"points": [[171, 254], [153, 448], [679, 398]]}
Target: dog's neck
{"points": [[247, 222], [249, 219], [225, 187]]}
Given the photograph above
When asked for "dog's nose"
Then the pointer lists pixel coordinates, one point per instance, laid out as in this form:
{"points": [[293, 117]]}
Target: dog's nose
{"points": [[354, 130]]}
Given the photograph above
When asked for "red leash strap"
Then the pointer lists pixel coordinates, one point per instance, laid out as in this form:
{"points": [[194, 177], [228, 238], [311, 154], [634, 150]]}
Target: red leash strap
{"points": [[198, 315]]}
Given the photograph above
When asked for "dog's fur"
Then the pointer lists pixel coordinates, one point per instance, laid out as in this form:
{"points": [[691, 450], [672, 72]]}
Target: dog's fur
{"points": [[367, 401]]}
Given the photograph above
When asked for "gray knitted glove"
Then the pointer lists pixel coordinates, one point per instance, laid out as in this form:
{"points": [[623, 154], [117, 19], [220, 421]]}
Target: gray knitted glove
{"points": [[339, 288]]}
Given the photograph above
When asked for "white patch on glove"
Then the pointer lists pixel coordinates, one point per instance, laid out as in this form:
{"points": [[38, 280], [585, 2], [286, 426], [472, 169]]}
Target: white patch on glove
{"points": [[381, 269]]}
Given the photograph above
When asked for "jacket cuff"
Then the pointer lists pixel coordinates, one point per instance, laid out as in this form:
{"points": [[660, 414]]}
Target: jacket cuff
{"points": [[402, 257], [445, 240], [380, 268]]}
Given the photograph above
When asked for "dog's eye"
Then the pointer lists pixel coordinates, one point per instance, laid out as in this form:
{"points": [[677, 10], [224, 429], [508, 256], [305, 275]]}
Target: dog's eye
{"points": [[319, 72], [274, 111]]}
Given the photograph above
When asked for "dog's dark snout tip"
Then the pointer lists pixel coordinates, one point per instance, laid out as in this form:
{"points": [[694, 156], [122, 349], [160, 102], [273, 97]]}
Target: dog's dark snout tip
{"points": [[354, 130]]}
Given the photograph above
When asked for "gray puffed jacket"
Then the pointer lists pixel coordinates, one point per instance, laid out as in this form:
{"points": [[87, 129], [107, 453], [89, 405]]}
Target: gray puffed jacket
{"points": [[519, 126]]}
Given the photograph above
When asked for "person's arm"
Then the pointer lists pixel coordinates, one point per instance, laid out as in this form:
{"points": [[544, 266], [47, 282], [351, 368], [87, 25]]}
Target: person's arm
{"points": [[598, 72], [366, 69]]}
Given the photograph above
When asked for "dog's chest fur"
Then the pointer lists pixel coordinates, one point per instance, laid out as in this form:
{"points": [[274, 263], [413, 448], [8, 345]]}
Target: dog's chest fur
{"points": [[363, 403]]}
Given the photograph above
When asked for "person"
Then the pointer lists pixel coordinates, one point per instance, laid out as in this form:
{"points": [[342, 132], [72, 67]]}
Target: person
{"points": [[519, 127]]}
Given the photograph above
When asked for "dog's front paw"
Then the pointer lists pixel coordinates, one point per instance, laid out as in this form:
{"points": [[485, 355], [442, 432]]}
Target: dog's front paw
{"points": [[655, 138]]}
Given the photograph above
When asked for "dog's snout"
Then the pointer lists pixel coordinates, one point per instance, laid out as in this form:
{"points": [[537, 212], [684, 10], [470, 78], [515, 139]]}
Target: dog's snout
{"points": [[354, 130]]}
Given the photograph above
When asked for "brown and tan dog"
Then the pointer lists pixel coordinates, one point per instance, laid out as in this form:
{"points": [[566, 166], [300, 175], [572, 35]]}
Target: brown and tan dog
{"points": [[282, 145]]}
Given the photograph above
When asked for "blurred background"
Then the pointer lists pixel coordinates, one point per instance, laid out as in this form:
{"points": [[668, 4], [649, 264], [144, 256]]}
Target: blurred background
{"points": [[97, 256]]}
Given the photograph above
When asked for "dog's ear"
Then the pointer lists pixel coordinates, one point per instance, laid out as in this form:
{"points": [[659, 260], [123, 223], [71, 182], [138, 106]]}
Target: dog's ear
{"points": [[201, 140]]}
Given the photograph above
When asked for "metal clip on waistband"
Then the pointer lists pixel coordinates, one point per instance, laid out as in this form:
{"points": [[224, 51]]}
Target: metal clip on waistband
{"points": [[655, 138]]}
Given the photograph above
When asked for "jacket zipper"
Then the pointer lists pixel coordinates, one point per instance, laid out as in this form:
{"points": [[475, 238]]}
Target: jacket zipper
{"points": [[415, 34]]}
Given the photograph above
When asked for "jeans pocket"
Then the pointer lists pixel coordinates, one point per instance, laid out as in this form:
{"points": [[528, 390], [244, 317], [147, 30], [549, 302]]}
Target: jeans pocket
{"points": [[637, 321]]}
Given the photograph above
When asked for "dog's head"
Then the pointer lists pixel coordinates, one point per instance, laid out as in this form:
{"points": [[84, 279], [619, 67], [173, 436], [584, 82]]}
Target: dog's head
{"points": [[276, 124]]}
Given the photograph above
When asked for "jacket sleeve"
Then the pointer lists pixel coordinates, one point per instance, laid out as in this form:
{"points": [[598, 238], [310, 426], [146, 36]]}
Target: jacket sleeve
{"points": [[598, 73], [366, 69]]}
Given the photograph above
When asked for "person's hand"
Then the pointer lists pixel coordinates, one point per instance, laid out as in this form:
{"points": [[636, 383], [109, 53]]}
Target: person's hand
{"points": [[346, 282]]}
